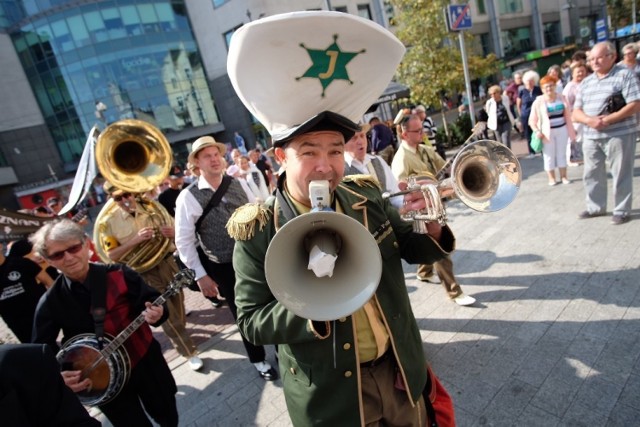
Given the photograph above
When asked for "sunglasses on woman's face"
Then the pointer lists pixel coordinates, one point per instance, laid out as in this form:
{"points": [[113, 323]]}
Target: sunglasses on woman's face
{"points": [[122, 196], [57, 256]]}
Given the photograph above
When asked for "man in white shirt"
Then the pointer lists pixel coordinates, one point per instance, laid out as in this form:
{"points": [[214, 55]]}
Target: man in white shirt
{"points": [[202, 212], [358, 161], [255, 179]]}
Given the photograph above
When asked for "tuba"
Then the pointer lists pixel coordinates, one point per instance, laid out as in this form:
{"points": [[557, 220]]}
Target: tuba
{"points": [[485, 176], [134, 156]]}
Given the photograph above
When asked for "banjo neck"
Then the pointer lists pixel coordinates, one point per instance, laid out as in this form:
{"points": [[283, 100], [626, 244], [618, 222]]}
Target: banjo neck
{"points": [[180, 280]]}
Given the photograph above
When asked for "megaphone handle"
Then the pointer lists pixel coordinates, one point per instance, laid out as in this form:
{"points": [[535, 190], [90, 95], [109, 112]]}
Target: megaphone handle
{"points": [[335, 366]]}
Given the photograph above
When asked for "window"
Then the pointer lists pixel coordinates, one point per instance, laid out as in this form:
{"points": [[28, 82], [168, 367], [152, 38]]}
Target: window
{"points": [[342, 9], [485, 44], [552, 34], [509, 6], [228, 34], [516, 41], [480, 7], [218, 3], [364, 11]]}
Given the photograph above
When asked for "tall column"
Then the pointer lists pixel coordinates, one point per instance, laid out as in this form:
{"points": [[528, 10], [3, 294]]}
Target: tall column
{"points": [[494, 22], [536, 26]]}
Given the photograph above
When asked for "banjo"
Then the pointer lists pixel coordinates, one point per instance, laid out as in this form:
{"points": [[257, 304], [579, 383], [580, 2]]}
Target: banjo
{"points": [[109, 368]]}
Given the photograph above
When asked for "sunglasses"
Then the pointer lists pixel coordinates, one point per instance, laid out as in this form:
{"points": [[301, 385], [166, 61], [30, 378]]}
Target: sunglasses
{"points": [[122, 196], [57, 256]]}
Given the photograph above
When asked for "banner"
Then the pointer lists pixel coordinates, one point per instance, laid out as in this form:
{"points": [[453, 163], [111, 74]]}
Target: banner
{"points": [[86, 173], [16, 225]]}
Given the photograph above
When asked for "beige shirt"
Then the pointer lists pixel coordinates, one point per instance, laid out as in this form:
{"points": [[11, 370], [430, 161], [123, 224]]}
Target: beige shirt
{"points": [[410, 161]]}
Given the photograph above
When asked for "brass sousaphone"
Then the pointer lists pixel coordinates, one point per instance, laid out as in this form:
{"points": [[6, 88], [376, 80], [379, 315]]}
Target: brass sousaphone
{"points": [[134, 156]]}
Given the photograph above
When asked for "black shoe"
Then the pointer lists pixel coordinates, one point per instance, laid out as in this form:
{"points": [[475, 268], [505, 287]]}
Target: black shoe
{"points": [[215, 302], [587, 214], [270, 375]]}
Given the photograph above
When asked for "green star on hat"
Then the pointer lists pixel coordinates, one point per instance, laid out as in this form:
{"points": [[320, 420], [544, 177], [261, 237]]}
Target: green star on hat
{"points": [[314, 70]]}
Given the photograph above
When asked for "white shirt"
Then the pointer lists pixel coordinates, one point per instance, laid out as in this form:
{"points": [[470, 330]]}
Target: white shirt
{"points": [[367, 168], [260, 191], [188, 211]]}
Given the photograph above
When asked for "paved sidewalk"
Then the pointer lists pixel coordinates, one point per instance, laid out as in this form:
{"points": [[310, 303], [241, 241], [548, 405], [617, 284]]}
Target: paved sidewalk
{"points": [[554, 339]]}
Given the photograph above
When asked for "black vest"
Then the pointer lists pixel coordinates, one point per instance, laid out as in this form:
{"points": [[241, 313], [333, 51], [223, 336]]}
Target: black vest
{"points": [[213, 236]]}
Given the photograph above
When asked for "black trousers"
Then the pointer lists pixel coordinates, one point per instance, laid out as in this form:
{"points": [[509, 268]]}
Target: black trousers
{"points": [[151, 384], [225, 276]]}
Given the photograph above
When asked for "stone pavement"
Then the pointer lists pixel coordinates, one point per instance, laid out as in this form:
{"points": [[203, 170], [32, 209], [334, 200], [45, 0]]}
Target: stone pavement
{"points": [[554, 339]]}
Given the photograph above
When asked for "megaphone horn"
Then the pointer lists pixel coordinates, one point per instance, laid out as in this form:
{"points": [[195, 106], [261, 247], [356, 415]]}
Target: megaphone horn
{"points": [[356, 273]]}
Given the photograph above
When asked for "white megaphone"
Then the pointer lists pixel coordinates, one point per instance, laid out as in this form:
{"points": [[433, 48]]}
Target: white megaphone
{"points": [[323, 265]]}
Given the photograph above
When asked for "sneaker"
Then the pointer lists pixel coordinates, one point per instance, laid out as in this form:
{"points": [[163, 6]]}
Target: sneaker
{"points": [[552, 183], [587, 214], [215, 301], [431, 279], [195, 363], [620, 219], [464, 300], [566, 181]]}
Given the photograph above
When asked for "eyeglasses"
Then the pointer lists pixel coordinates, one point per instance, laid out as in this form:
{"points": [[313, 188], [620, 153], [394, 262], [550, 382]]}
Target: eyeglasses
{"points": [[598, 58], [122, 196], [57, 256], [415, 131]]}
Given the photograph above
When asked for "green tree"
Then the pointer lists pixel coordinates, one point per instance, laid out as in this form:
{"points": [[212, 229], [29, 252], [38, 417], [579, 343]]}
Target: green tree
{"points": [[433, 64]]}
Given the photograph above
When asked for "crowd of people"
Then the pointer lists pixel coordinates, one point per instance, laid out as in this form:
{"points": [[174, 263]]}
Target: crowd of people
{"points": [[224, 207], [584, 113]]}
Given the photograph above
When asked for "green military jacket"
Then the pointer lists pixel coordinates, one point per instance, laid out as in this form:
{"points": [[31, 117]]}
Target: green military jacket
{"points": [[319, 390]]}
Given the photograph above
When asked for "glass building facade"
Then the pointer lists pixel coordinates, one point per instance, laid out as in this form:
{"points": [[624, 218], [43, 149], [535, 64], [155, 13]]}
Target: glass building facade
{"points": [[104, 61]]}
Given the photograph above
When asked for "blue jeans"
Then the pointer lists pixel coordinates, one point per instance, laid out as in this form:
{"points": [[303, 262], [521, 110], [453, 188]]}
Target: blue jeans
{"points": [[620, 152]]}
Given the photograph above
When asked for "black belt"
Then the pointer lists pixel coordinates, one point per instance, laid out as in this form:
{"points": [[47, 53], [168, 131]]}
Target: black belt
{"points": [[375, 362]]}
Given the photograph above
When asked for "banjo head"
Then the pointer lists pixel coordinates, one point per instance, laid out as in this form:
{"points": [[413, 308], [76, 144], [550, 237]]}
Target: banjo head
{"points": [[108, 376]]}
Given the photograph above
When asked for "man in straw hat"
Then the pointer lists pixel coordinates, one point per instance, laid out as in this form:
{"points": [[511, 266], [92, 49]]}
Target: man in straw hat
{"points": [[124, 231], [318, 73], [202, 211]]}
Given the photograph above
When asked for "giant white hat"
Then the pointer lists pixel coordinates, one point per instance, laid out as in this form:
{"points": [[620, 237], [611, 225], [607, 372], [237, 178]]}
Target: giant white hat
{"points": [[314, 70]]}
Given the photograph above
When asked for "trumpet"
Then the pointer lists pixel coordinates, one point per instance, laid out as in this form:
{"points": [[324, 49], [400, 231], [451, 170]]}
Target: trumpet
{"points": [[485, 176]]}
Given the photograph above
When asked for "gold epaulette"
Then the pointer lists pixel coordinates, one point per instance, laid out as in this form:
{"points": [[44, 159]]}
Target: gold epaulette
{"points": [[363, 180], [242, 224]]}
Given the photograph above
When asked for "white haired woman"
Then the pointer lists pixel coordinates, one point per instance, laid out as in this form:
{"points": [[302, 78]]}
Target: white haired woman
{"points": [[526, 96], [500, 119]]}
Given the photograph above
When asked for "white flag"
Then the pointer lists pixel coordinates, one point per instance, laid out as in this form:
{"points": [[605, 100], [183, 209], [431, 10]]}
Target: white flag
{"points": [[87, 171]]}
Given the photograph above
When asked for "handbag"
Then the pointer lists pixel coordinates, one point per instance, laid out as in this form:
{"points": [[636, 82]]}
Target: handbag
{"points": [[536, 143], [613, 103]]}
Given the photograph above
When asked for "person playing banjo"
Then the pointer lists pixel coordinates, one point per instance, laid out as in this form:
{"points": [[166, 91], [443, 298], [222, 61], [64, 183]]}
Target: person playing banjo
{"points": [[91, 300]]}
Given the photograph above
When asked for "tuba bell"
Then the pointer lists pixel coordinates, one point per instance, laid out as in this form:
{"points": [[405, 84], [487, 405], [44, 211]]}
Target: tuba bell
{"points": [[135, 157]]}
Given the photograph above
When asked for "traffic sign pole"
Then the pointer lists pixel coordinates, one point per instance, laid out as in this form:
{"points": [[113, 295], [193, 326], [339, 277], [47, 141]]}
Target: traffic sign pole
{"points": [[467, 79]]}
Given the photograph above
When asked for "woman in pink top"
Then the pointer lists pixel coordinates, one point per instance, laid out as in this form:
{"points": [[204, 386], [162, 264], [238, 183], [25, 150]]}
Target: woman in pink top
{"points": [[550, 120]]}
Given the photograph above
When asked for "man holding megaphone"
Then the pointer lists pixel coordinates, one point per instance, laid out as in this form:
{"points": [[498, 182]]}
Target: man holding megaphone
{"points": [[309, 77]]}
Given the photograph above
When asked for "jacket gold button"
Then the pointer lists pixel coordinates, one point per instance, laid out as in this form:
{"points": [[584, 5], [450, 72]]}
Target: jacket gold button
{"points": [[342, 319], [293, 370], [396, 245], [348, 374], [346, 346]]}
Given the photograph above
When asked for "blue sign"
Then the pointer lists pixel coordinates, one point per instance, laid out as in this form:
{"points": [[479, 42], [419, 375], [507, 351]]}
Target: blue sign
{"points": [[459, 17], [601, 30]]}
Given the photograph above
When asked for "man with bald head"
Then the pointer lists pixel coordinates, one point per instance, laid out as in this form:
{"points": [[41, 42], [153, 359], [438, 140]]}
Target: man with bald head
{"points": [[609, 134]]}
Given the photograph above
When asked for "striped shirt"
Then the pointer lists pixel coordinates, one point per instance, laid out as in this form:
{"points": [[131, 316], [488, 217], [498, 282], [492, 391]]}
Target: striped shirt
{"points": [[555, 110], [593, 93]]}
